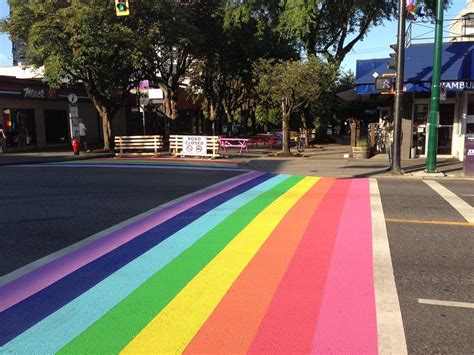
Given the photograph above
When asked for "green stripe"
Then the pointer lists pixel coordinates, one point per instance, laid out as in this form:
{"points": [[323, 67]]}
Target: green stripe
{"points": [[116, 328]]}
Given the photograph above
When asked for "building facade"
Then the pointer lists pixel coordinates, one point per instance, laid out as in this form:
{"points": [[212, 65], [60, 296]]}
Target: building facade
{"points": [[35, 116], [457, 99]]}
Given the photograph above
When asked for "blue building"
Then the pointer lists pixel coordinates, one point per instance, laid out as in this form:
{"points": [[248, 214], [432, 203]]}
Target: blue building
{"points": [[457, 81], [457, 102]]}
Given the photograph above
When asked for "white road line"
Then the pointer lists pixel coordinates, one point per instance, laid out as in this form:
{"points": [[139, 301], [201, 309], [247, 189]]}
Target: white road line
{"points": [[389, 318], [446, 303], [458, 203]]}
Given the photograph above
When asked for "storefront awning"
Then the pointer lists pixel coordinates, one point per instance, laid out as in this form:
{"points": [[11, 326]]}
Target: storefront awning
{"points": [[457, 68]]}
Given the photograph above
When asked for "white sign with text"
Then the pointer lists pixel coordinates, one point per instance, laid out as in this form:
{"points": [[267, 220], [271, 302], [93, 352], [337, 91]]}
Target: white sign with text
{"points": [[194, 145]]}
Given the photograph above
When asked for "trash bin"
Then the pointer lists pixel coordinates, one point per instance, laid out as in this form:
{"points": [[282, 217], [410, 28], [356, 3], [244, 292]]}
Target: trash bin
{"points": [[469, 156]]}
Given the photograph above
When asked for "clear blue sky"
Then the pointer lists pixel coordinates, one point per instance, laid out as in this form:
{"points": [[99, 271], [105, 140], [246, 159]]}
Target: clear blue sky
{"points": [[375, 45]]}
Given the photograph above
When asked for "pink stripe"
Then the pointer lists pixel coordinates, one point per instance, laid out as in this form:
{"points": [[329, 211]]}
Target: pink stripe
{"points": [[290, 322], [347, 323], [36, 280]]}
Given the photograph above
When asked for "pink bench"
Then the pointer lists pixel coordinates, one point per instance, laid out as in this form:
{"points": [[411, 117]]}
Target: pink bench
{"points": [[241, 143]]}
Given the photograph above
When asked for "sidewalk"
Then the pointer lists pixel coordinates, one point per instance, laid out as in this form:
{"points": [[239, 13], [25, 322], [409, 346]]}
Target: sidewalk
{"points": [[40, 157], [325, 160], [329, 161]]}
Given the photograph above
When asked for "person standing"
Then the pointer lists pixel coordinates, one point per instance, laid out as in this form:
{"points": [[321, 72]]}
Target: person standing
{"points": [[3, 140], [83, 133], [387, 128]]}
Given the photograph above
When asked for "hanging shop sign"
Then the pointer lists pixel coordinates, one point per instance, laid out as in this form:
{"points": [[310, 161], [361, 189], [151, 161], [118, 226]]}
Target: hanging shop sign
{"points": [[458, 85], [34, 93]]}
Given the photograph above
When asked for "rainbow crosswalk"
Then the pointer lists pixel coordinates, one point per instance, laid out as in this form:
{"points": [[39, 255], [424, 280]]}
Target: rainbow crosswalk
{"points": [[170, 163], [262, 263]]}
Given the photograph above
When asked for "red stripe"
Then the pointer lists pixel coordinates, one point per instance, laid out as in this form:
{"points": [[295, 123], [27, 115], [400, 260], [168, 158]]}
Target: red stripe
{"points": [[290, 322]]}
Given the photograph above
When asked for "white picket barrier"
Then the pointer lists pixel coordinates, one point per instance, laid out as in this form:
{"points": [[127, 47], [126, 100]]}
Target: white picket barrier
{"points": [[138, 145]]}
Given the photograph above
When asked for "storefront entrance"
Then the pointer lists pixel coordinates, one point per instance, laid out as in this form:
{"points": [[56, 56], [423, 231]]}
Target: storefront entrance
{"points": [[56, 126], [445, 128]]}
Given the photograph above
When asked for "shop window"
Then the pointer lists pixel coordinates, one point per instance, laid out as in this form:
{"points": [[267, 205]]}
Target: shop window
{"points": [[470, 105], [20, 127]]}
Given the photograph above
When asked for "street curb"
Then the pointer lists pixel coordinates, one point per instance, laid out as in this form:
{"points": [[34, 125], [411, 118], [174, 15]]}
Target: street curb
{"points": [[45, 160]]}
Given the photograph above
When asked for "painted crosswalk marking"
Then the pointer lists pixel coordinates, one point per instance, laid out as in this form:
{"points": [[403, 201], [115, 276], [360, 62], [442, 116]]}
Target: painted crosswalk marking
{"points": [[254, 265]]}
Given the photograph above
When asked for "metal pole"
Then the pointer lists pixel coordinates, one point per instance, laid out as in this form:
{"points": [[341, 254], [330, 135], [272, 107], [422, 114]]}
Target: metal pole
{"points": [[435, 91], [397, 115]]}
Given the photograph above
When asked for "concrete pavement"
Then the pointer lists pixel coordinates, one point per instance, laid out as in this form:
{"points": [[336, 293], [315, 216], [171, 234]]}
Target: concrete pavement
{"points": [[325, 160]]}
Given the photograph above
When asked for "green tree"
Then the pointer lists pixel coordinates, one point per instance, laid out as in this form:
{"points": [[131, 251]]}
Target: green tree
{"points": [[238, 35], [80, 42], [332, 28], [173, 36], [292, 85]]}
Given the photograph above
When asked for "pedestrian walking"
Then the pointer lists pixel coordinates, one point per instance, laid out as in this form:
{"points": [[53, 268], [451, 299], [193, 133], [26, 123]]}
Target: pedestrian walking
{"points": [[387, 128], [3, 140], [83, 133]]}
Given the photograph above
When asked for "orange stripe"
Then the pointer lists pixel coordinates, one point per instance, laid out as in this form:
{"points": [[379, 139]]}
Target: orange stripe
{"points": [[235, 321]]}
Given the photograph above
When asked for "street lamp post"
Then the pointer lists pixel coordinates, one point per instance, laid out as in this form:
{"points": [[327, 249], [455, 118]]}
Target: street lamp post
{"points": [[397, 114], [435, 91]]}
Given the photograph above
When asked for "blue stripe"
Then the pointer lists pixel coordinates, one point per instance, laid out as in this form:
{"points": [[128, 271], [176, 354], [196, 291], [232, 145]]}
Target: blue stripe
{"points": [[30, 311], [128, 165]]}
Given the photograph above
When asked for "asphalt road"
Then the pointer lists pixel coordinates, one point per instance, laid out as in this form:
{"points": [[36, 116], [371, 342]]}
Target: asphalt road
{"points": [[431, 261], [46, 209]]}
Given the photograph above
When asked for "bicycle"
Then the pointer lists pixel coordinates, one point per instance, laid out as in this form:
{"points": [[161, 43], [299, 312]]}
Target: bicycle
{"points": [[300, 144]]}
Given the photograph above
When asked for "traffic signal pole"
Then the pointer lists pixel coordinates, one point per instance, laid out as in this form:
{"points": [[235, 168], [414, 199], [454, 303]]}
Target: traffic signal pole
{"points": [[397, 115], [435, 91]]}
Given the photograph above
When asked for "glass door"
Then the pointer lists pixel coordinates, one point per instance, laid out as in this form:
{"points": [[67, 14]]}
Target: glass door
{"points": [[419, 128], [445, 129]]}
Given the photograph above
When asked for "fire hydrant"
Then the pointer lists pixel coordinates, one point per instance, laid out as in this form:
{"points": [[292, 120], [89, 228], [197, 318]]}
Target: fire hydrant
{"points": [[75, 146]]}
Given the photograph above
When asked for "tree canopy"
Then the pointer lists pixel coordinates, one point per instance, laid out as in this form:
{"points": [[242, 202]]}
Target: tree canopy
{"points": [[213, 44]]}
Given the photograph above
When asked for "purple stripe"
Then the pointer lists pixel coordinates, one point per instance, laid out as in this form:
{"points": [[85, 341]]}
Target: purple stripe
{"points": [[36, 280]]}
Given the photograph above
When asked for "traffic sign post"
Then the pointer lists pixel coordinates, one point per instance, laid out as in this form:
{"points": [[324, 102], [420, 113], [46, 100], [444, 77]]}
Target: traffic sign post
{"points": [[74, 117]]}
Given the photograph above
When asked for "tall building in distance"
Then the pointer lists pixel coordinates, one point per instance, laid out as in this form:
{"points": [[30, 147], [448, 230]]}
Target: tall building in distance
{"points": [[19, 49], [462, 27]]}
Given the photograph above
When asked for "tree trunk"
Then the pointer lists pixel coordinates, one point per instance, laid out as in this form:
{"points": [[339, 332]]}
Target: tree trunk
{"points": [[104, 114], [106, 128], [245, 120], [285, 146], [304, 124], [229, 118], [253, 118], [170, 103]]}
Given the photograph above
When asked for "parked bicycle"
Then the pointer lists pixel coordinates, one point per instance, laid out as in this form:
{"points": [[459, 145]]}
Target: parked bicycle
{"points": [[300, 144]]}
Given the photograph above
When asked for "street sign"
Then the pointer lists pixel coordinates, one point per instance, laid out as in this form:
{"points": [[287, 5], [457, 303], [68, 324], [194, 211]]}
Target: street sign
{"points": [[442, 93], [72, 98], [74, 121], [384, 84], [194, 145]]}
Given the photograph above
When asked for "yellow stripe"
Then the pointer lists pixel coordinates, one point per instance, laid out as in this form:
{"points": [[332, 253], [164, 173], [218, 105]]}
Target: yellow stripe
{"points": [[176, 325], [446, 223]]}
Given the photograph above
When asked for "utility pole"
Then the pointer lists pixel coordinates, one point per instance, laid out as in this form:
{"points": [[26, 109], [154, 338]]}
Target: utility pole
{"points": [[435, 91], [397, 115]]}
